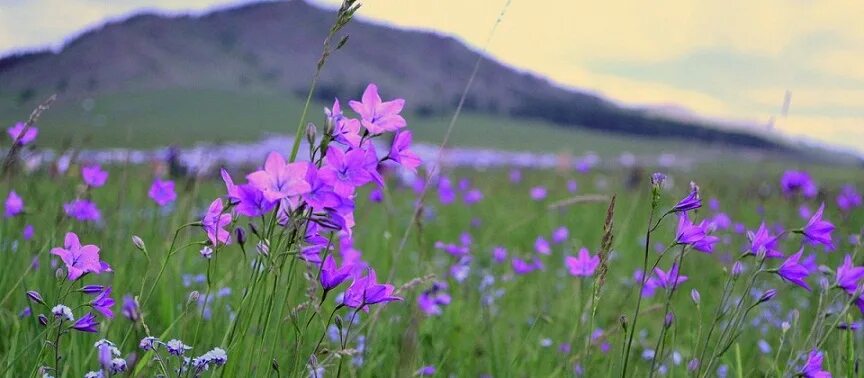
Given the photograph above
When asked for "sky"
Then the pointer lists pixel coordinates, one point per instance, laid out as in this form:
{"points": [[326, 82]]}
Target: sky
{"points": [[730, 60]]}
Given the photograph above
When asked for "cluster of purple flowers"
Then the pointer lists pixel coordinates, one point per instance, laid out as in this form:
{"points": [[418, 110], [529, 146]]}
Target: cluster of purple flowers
{"points": [[82, 208], [318, 196]]}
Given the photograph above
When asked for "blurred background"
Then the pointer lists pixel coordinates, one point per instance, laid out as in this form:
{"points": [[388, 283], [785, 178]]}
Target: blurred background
{"points": [[681, 81]]}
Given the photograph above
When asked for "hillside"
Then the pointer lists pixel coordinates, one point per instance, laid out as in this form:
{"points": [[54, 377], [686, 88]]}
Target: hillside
{"points": [[272, 47]]}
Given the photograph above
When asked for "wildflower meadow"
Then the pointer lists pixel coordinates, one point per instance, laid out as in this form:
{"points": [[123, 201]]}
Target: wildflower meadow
{"points": [[350, 251]]}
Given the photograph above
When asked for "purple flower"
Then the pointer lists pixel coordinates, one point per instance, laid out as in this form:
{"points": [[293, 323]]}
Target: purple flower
{"points": [[813, 366], [431, 301], [848, 198], [331, 276], [426, 371], [379, 116], [794, 272], [376, 195], [176, 347], [14, 205], [130, 308], [560, 235], [366, 290], [584, 265], [849, 275], [400, 153], [651, 283], [321, 195], [687, 232], [707, 243], [279, 179], [345, 171], [79, 259], [763, 240], [798, 182], [162, 192], [248, 200], [658, 178], [572, 186], [87, 323], [671, 279], [538, 193], [691, 202], [515, 176], [521, 266], [35, 297], [18, 132], [721, 221], [446, 194], [542, 246], [103, 303], [27, 233], [473, 196], [83, 210], [499, 254], [818, 230], [93, 175], [214, 223]]}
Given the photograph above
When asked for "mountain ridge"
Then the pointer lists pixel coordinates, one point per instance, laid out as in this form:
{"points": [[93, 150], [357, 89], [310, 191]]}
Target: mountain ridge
{"points": [[272, 46]]}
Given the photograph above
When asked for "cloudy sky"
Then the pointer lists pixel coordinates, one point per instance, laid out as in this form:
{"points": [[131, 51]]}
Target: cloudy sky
{"points": [[731, 59]]}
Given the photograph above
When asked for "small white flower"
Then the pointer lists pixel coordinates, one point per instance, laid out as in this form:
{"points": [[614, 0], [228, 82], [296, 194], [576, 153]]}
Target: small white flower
{"points": [[62, 312]]}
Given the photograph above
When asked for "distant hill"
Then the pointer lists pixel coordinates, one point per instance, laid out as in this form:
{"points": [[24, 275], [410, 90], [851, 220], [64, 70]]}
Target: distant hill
{"points": [[273, 46]]}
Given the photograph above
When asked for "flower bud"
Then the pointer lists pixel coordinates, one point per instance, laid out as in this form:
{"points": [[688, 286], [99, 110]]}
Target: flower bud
{"points": [[35, 297], [311, 133], [59, 274], [136, 240], [657, 179], [193, 297], [263, 248], [330, 127], [767, 295], [43, 320], [669, 319], [824, 283], [241, 236], [92, 289], [623, 322], [254, 230], [695, 296], [785, 326], [693, 365], [737, 269]]}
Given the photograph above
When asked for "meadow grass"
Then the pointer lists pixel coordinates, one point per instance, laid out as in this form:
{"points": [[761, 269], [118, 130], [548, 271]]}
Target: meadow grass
{"points": [[474, 335]]}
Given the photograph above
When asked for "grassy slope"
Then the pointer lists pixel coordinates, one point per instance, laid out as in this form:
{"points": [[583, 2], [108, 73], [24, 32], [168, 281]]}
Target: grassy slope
{"points": [[183, 117]]}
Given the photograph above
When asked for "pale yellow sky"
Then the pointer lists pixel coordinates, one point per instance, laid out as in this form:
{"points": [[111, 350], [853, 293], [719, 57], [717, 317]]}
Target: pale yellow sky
{"points": [[730, 59]]}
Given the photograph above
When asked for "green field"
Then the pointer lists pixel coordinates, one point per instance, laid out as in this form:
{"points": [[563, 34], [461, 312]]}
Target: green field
{"points": [[472, 336], [185, 117]]}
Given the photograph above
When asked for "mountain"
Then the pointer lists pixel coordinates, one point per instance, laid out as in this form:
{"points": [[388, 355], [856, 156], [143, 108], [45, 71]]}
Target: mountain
{"points": [[273, 47]]}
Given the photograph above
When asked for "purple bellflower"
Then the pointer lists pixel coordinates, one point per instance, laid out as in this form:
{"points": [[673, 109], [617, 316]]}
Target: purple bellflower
{"points": [[791, 270], [279, 179], [817, 230], [79, 259], [379, 116], [583, 265], [24, 137]]}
